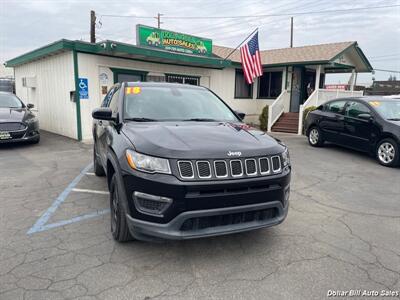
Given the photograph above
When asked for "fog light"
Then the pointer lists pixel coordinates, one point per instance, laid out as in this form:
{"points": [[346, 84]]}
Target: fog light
{"points": [[151, 204], [286, 195]]}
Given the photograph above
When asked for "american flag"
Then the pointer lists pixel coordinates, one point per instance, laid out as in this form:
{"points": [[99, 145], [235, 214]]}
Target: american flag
{"points": [[251, 61]]}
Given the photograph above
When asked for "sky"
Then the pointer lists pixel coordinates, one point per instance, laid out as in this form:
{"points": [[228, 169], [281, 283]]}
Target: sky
{"points": [[26, 25]]}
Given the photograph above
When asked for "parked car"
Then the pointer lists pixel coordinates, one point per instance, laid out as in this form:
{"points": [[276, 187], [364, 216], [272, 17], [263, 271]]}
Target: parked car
{"points": [[180, 164], [7, 85], [17, 122], [370, 124]]}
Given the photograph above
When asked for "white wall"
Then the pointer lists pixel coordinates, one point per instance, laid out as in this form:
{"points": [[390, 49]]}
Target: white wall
{"points": [[51, 97]]}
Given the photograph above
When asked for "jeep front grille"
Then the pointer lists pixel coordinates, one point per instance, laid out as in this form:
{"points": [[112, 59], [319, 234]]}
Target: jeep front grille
{"points": [[221, 169], [203, 169], [229, 168], [236, 168], [186, 169]]}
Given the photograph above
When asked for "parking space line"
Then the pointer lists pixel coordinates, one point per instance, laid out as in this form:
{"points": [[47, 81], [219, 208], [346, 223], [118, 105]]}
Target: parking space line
{"points": [[75, 219], [40, 223], [90, 174], [90, 191]]}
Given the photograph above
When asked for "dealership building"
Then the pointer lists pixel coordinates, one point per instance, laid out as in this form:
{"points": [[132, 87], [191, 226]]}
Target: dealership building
{"points": [[67, 79]]}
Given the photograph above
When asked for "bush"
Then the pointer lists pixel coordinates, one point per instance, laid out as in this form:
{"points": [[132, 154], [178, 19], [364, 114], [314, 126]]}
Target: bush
{"points": [[264, 118], [305, 113]]}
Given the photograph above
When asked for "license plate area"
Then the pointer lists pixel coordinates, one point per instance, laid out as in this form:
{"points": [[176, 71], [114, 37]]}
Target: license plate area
{"points": [[5, 135]]}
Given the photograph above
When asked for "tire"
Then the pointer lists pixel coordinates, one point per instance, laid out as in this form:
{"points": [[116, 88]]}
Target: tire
{"points": [[119, 226], [387, 153], [98, 168], [314, 137], [36, 140]]}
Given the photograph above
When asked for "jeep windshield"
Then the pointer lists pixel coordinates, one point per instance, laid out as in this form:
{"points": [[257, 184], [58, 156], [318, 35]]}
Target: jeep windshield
{"points": [[174, 103]]}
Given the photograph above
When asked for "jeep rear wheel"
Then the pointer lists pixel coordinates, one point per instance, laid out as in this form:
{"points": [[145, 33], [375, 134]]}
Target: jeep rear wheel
{"points": [[119, 226]]}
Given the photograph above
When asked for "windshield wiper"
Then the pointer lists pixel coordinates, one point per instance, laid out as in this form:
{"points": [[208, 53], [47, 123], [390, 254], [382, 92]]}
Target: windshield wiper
{"points": [[201, 120], [141, 119], [394, 119]]}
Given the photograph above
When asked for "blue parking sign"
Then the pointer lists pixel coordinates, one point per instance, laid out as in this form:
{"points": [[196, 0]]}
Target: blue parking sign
{"points": [[83, 88]]}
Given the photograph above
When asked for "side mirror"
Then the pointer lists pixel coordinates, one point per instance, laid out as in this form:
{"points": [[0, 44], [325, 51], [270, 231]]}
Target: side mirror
{"points": [[366, 117], [30, 106], [241, 115], [103, 113]]}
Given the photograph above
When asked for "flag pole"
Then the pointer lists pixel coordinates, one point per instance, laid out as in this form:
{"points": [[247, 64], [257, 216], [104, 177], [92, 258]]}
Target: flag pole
{"points": [[254, 31]]}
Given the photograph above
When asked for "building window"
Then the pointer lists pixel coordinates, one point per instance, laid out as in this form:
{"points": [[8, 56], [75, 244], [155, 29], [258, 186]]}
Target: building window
{"points": [[242, 88], [182, 79], [270, 85]]}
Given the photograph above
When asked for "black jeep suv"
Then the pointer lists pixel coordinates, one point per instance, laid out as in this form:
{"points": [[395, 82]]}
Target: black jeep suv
{"points": [[180, 164]]}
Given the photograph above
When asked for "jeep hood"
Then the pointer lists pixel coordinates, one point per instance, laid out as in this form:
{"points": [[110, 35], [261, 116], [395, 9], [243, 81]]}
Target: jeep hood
{"points": [[195, 140]]}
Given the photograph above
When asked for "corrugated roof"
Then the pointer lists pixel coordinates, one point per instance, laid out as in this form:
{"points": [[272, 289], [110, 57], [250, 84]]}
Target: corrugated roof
{"points": [[313, 53]]}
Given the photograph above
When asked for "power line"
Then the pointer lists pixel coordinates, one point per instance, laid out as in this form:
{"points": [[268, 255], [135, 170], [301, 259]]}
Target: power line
{"points": [[237, 22], [127, 16], [385, 59], [390, 71], [283, 14], [386, 55], [256, 16]]}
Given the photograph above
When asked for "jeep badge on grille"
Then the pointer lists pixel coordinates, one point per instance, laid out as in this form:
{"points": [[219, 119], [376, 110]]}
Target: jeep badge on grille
{"points": [[236, 153]]}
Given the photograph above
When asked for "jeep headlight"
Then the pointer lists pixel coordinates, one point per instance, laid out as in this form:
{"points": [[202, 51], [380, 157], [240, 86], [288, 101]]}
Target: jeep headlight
{"points": [[286, 158], [146, 163]]}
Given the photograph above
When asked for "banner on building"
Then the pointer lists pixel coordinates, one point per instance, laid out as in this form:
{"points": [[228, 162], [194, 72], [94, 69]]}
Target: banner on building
{"points": [[172, 41]]}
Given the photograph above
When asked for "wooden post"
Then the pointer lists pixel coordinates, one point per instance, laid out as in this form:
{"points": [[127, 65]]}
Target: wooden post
{"points": [[92, 26]]}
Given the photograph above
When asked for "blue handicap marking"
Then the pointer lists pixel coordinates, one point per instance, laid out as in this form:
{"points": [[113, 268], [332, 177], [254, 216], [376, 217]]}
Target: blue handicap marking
{"points": [[83, 88], [42, 223]]}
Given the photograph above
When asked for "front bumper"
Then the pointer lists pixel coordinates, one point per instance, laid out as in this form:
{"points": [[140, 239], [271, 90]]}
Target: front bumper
{"points": [[174, 230], [31, 133], [25, 138], [206, 208]]}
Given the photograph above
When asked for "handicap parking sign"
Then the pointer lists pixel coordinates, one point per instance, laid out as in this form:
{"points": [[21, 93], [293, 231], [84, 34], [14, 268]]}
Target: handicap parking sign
{"points": [[83, 88]]}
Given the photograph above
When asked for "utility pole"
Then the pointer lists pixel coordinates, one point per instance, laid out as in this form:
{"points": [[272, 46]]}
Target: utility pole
{"points": [[291, 32], [158, 20], [92, 26]]}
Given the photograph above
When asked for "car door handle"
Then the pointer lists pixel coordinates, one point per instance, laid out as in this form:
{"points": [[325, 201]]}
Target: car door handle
{"points": [[100, 122]]}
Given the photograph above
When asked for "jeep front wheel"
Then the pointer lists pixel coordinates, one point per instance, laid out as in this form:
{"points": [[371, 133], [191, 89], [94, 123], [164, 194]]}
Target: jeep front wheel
{"points": [[119, 226]]}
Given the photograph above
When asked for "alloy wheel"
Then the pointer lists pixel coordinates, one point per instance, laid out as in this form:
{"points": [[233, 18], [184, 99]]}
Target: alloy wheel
{"points": [[386, 153], [114, 210], [314, 136]]}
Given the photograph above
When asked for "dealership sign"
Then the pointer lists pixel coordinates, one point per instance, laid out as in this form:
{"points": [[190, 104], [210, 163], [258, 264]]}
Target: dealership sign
{"points": [[172, 41]]}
